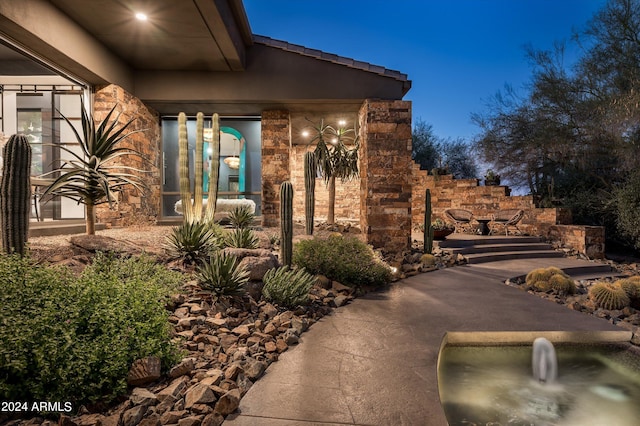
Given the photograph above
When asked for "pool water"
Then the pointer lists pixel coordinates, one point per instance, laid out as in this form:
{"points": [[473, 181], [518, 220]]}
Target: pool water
{"points": [[493, 385]]}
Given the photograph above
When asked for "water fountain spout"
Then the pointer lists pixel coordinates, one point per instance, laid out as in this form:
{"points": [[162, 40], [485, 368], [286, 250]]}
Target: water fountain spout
{"points": [[544, 361]]}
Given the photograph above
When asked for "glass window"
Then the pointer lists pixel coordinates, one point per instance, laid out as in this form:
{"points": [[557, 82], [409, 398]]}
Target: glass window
{"points": [[240, 169]]}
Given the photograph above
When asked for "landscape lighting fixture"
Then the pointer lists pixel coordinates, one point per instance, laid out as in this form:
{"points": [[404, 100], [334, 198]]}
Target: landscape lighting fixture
{"points": [[141, 16], [342, 123], [305, 133]]}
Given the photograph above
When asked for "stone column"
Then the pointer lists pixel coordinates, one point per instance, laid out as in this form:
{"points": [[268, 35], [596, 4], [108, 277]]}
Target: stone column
{"points": [[276, 141], [385, 171], [134, 207]]}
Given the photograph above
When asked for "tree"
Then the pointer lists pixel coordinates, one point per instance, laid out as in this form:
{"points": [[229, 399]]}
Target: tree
{"points": [[92, 178], [431, 151], [575, 135], [334, 159]]}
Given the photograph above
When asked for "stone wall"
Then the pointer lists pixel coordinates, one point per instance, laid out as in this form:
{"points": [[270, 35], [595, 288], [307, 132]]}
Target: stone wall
{"points": [[276, 142], [347, 203], [551, 223], [589, 240], [450, 193], [134, 207], [385, 174]]}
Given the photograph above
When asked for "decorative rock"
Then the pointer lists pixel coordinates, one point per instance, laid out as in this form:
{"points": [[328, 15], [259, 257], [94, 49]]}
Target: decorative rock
{"points": [[142, 396], [270, 347], [269, 310], [254, 369], [242, 331], [281, 346], [113, 420], [191, 421], [270, 329], [232, 371], [172, 417], [341, 300], [213, 419], [198, 394], [185, 367], [227, 341], [144, 371], [88, 420], [174, 389], [290, 338], [151, 420], [323, 282], [258, 266], [228, 403], [133, 416]]}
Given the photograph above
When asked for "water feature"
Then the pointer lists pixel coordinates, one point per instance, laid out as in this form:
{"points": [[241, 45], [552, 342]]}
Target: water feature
{"points": [[544, 361], [571, 385]]}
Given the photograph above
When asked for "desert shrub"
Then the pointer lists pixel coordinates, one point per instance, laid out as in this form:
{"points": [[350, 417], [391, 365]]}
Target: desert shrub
{"points": [[241, 238], [287, 287], [66, 338], [627, 202], [241, 217], [344, 259], [608, 295], [222, 275], [192, 242]]}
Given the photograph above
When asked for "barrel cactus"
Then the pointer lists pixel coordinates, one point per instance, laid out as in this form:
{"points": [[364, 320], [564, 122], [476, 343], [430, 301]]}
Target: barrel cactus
{"points": [[562, 284], [15, 194], [286, 222], [608, 295], [536, 275]]}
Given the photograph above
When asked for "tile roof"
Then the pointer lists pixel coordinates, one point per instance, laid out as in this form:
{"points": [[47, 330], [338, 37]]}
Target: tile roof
{"points": [[330, 57]]}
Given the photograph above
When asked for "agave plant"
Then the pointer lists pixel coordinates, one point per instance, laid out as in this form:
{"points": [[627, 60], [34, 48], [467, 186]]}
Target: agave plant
{"points": [[222, 275], [192, 242], [287, 287], [241, 238], [93, 177], [241, 217]]}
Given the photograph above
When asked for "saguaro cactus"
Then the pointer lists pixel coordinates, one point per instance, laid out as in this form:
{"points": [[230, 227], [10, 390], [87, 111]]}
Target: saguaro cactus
{"points": [[15, 194], [309, 190], [214, 169], [286, 222], [192, 203], [428, 229]]}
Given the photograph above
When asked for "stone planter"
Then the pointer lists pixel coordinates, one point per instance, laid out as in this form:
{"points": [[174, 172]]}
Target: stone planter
{"points": [[492, 182]]}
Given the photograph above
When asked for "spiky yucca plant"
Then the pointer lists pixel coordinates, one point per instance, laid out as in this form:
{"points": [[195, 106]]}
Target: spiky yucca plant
{"points": [[93, 177], [241, 217], [192, 242], [222, 275], [241, 238], [287, 287]]}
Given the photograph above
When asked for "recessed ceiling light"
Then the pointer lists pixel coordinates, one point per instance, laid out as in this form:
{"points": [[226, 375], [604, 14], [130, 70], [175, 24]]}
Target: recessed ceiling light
{"points": [[141, 16]]}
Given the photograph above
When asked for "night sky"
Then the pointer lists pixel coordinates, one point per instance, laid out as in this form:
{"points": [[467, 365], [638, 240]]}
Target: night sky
{"points": [[458, 53]]}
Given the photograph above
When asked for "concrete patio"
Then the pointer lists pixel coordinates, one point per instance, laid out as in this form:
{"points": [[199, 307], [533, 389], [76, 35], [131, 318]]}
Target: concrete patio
{"points": [[373, 362]]}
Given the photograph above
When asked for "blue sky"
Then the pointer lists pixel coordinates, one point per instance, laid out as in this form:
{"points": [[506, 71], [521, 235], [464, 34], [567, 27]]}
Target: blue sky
{"points": [[458, 53]]}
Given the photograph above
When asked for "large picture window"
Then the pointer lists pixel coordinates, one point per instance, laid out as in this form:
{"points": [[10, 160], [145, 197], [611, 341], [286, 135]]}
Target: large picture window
{"points": [[240, 166]]}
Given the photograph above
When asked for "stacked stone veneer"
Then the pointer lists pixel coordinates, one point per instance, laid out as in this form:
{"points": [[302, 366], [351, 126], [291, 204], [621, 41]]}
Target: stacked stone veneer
{"points": [[134, 207], [385, 173], [482, 201], [347, 203], [276, 143]]}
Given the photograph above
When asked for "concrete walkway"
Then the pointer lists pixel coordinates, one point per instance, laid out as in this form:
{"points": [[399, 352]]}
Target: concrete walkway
{"points": [[373, 362]]}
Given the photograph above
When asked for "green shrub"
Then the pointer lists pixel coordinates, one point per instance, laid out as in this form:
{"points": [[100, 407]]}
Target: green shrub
{"points": [[627, 202], [344, 259], [241, 238], [192, 242], [241, 217], [222, 275], [287, 287], [64, 338]]}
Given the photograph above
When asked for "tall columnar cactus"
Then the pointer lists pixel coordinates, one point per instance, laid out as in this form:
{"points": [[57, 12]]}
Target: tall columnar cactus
{"points": [[192, 203], [286, 222], [214, 169], [428, 228], [309, 190], [15, 194], [183, 164]]}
